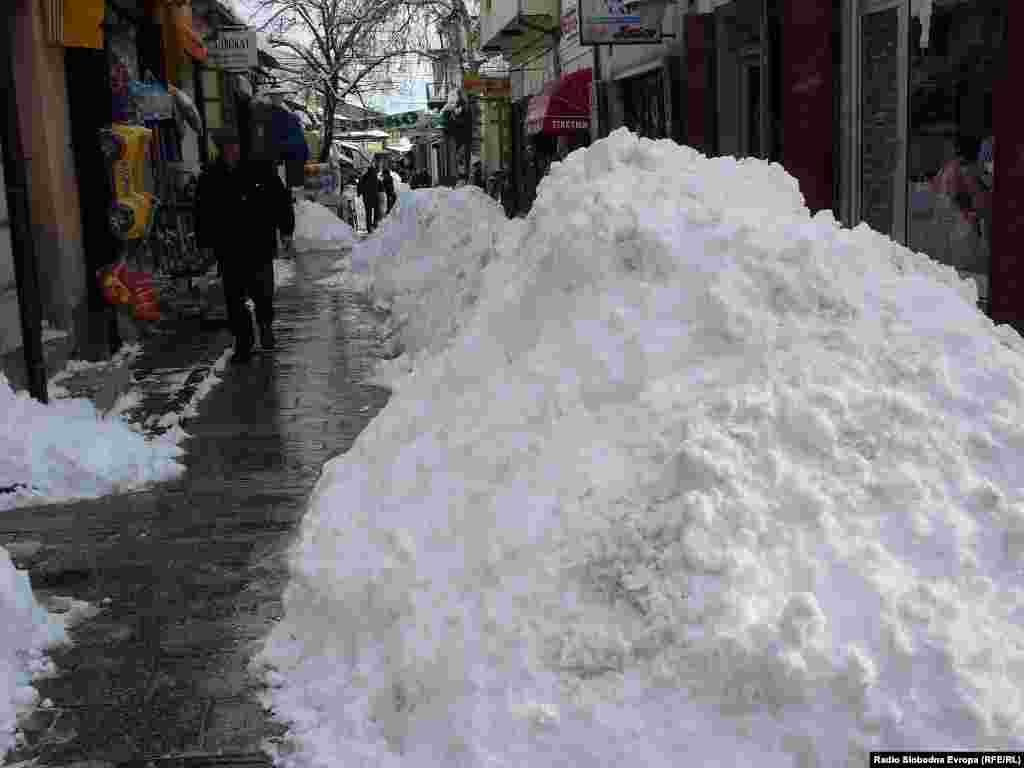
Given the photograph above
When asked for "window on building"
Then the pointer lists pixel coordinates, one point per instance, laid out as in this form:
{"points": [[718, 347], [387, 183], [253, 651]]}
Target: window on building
{"points": [[949, 162]]}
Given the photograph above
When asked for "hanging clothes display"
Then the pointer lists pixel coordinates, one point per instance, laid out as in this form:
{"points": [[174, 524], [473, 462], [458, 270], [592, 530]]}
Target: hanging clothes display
{"points": [[288, 136], [123, 59]]}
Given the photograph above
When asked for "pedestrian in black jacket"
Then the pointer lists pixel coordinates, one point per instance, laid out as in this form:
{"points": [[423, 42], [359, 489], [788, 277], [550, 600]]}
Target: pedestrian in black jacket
{"points": [[389, 188], [369, 188], [240, 208]]}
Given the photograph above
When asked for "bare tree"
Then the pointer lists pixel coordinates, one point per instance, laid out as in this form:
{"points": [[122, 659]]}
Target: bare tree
{"points": [[340, 49]]}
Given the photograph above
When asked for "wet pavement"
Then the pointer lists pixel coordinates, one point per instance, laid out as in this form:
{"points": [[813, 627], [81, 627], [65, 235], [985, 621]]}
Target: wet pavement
{"points": [[188, 576]]}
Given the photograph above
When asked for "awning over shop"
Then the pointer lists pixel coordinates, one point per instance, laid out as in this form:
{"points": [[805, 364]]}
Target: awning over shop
{"points": [[83, 22], [563, 107]]}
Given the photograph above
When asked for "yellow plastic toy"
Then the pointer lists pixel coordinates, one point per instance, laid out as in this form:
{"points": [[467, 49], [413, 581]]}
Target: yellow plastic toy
{"points": [[126, 146]]}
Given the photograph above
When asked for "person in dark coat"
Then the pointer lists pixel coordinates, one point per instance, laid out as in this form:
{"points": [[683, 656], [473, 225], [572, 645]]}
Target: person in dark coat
{"points": [[369, 188], [389, 187], [240, 208]]}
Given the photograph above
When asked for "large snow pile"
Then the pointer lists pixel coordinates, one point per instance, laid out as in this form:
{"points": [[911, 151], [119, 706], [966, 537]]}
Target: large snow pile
{"points": [[425, 262], [26, 630], [704, 479], [68, 450], [317, 228]]}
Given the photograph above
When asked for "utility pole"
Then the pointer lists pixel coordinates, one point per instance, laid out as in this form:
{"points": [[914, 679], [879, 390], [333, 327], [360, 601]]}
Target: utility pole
{"points": [[16, 181]]}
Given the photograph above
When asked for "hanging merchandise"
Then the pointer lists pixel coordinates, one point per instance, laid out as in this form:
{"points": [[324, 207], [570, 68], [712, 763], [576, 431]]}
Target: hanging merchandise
{"points": [[123, 58], [152, 100], [922, 9], [186, 108], [290, 141], [124, 287], [125, 147], [122, 107]]}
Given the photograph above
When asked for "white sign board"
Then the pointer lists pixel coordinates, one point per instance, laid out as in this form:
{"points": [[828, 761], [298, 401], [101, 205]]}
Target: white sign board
{"points": [[620, 22], [233, 50]]}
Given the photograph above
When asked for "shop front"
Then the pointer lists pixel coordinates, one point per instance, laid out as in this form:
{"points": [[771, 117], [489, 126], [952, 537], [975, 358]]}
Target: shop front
{"points": [[932, 105], [643, 104], [557, 122]]}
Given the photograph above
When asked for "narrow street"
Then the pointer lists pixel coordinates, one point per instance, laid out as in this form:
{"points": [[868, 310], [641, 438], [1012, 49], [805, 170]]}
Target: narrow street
{"points": [[188, 576]]}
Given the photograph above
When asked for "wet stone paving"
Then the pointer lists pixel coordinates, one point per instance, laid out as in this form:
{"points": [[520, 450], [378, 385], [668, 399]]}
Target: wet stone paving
{"points": [[187, 577]]}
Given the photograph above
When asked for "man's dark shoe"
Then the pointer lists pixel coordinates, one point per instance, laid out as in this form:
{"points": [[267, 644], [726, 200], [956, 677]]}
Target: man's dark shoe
{"points": [[267, 340]]}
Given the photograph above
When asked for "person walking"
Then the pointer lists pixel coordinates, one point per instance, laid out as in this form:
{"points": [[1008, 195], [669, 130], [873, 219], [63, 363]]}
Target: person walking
{"points": [[389, 188], [240, 208], [369, 188]]}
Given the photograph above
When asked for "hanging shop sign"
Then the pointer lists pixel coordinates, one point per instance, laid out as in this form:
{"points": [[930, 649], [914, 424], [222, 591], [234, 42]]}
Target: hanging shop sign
{"points": [[83, 24], [621, 22], [401, 119], [487, 87], [233, 50]]}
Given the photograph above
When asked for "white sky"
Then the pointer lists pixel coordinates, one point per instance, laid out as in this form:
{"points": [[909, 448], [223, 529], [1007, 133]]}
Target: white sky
{"points": [[409, 93]]}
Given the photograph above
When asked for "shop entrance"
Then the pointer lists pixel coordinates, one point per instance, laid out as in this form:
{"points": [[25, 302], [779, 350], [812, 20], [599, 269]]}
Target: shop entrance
{"points": [[950, 132], [923, 149], [644, 105]]}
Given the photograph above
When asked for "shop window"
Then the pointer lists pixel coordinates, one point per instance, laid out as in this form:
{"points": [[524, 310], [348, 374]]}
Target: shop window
{"points": [[949, 168], [644, 105]]}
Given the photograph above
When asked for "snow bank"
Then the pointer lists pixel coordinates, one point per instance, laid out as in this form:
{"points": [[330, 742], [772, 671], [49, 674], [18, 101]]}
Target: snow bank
{"points": [[67, 450], [26, 630], [702, 478], [318, 229], [426, 260]]}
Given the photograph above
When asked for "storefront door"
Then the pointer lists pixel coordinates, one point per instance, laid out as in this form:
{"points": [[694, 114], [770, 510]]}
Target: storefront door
{"points": [[644, 105]]}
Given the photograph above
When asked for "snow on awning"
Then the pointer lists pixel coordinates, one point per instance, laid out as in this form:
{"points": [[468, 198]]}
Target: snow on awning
{"points": [[563, 107]]}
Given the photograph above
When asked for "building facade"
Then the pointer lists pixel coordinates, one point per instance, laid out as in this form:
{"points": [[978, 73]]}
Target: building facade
{"points": [[889, 112], [78, 69]]}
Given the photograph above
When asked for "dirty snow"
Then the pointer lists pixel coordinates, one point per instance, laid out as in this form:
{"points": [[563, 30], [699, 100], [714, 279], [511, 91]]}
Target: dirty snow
{"points": [[27, 630], [698, 476], [317, 228], [68, 450]]}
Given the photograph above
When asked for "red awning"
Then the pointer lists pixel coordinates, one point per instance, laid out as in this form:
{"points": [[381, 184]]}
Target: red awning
{"points": [[563, 107]]}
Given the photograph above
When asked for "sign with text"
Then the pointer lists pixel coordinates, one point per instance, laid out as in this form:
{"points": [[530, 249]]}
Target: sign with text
{"points": [[233, 50], [620, 22], [486, 87]]}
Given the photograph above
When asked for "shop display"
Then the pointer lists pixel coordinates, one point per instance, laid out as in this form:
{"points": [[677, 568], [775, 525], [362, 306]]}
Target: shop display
{"points": [[126, 147]]}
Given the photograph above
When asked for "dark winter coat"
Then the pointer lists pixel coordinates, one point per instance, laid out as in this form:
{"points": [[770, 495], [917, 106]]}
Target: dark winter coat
{"points": [[389, 184], [369, 185], [239, 213]]}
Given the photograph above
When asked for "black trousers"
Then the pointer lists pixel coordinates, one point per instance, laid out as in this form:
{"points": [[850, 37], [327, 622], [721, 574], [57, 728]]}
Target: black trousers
{"points": [[243, 282], [392, 199], [371, 204]]}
